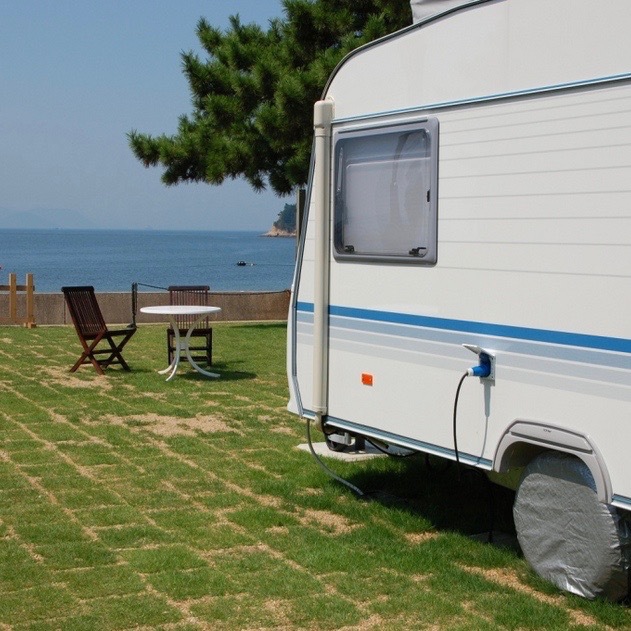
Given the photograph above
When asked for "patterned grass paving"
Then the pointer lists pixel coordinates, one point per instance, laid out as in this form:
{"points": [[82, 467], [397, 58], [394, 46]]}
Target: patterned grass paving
{"points": [[130, 503]]}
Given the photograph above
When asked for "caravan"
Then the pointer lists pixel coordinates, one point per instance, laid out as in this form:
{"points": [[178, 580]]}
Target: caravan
{"points": [[469, 214]]}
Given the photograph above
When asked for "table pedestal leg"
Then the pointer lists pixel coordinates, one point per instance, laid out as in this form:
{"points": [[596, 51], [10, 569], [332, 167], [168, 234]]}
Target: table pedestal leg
{"points": [[187, 350], [172, 367]]}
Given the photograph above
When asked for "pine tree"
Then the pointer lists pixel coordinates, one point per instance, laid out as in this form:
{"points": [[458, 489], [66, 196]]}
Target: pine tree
{"points": [[252, 97]]}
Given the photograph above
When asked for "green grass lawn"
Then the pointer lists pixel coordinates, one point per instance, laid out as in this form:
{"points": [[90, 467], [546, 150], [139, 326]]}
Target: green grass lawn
{"points": [[128, 502]]}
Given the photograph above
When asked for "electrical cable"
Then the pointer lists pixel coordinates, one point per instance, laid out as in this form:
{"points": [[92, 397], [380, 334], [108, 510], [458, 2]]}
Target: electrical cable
{"points": [[491, 506], [464, 376], [326, 469], [491, 497]]}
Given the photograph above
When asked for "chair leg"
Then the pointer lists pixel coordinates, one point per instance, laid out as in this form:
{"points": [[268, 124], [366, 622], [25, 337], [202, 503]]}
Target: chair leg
{"points": [[117, 350], [170, 347], [84, 359], [115, 354], [88, 355]]}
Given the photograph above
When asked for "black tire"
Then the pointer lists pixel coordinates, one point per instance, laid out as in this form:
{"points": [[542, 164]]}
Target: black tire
{"points": [[566, 534], [335, 446]]}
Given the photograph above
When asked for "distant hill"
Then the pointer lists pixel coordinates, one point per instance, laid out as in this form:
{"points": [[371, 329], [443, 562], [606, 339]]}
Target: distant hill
{"points": [[285, 225], [45, 219]]}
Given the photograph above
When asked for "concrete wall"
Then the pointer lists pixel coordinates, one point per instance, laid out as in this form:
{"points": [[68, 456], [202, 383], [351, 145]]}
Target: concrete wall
{"points": [[117, 306]]}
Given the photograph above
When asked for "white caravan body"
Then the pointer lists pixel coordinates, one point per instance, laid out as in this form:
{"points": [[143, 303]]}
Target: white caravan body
{"points": [[504, 127]]}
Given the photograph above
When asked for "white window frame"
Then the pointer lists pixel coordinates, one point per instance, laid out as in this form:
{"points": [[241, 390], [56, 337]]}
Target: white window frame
{"points": [[381, 210]]}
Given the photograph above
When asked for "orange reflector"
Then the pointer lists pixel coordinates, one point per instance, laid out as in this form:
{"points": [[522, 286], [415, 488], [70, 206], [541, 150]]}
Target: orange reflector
{"points": [[366, 379]]}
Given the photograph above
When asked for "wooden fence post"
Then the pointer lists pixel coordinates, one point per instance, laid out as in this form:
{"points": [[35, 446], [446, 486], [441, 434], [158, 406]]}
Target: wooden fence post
{"points": [[30, 302], [13, 288], [13, 297]]}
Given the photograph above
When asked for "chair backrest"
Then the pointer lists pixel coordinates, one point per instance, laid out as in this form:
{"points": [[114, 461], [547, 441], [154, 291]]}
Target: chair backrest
{"points": [[84, 310], [189, 295]]}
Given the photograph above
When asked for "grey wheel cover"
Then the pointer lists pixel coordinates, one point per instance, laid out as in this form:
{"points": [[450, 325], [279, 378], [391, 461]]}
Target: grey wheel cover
{"points": [[566, 534]]}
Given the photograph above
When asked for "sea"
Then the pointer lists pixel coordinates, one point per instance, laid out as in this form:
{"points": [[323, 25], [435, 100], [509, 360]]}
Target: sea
{"points": [[111, 260]]}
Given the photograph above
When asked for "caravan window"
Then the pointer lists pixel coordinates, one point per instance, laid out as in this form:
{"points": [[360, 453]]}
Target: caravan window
{"points": [[385, 187]]}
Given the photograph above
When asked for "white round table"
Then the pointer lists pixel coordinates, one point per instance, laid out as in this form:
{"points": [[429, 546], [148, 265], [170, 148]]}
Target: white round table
{"points": [[171, 311]]}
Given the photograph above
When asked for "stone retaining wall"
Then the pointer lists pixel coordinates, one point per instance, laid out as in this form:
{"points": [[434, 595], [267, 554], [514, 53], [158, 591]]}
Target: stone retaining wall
{"points": [[50, 308]]}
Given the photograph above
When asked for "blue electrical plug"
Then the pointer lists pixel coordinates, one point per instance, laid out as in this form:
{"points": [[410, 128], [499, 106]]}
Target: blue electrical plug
{"points": [[485, 367]]}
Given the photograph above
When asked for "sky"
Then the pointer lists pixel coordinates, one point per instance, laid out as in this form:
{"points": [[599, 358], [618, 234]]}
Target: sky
{"points": [[75, 77]]}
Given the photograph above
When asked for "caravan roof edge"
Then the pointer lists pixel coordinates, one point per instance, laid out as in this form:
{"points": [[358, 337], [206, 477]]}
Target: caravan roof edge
{"points": [[400, 32]]}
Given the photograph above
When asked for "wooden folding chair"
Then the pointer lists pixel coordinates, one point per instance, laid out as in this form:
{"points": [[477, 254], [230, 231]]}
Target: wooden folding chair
{"points": [[91, 328], [201, 344]]}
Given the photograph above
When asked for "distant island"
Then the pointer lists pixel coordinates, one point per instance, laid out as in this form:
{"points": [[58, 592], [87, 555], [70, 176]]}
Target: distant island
{"points": [[285, 225], [66, 219]]}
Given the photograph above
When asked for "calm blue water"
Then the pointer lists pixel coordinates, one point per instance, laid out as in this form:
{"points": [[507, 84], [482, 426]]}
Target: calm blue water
{"points": [[112, 260]]}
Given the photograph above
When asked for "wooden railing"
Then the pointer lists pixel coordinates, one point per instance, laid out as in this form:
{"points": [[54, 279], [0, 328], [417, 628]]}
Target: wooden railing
{"points": [[28, 319]]}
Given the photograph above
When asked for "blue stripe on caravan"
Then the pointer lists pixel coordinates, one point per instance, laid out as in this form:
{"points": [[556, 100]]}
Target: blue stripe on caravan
{"points": [[615, 344]]}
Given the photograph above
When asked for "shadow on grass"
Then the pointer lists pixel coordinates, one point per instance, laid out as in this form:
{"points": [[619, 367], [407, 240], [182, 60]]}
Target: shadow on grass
{"points": [[226, 372], [266, 325], [462, 501]]}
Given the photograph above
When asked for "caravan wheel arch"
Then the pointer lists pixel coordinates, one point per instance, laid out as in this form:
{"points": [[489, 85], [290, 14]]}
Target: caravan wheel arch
{"points": [[525, 440]]}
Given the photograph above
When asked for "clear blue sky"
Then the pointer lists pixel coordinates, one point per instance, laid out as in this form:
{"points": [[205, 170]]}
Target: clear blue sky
{"points": [[75, 77]]}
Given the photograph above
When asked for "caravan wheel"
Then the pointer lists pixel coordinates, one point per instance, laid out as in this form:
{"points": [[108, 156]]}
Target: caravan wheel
{"points": [[333, 445], [566, 534]]}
